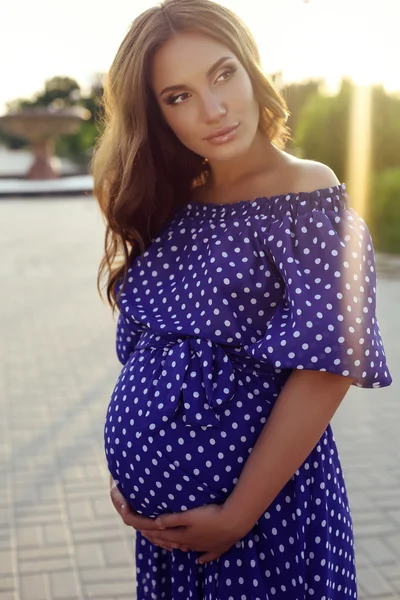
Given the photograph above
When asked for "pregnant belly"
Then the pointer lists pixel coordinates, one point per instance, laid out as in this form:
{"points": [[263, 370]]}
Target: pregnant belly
{"points": [[181, 424], [179, 467]]}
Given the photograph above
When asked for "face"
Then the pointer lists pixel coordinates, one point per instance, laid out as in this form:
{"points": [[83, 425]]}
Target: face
{"points": [[202, 88]]}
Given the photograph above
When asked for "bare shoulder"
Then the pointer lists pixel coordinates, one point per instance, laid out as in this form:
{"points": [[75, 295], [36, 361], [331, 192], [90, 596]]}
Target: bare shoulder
{"points": [[312, 175]]}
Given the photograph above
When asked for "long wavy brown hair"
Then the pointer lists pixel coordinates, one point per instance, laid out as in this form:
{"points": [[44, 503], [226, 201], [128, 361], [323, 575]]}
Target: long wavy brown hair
{"points": [[142, 172]]}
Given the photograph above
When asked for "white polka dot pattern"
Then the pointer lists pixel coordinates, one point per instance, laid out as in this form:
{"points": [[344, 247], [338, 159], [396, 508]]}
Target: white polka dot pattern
{"points": [[223, 304], [326, 320]]}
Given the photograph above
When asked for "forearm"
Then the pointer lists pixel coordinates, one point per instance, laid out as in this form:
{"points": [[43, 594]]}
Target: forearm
{"points": [[303, 410]]}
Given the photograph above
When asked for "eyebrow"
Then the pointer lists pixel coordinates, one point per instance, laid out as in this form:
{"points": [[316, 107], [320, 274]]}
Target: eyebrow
{"points": [[174, 88]]}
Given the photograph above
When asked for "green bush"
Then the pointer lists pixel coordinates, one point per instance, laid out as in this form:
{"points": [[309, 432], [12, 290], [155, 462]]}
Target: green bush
{"points": [[383, 217]]}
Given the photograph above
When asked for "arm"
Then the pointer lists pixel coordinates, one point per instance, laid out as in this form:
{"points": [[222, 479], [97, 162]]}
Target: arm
{"points": [[303, 410]]}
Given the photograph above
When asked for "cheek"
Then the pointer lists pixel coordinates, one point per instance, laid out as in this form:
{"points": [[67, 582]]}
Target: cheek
{"points": [[244, 94], [250, 105], [182, 122]]}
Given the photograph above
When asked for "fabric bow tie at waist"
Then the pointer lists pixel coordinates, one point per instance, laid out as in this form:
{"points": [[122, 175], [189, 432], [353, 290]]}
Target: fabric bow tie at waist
{"points": [[196, 377]]}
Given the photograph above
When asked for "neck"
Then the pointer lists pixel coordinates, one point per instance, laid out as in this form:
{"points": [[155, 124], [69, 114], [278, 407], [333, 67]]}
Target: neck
{"points": [[262, 156]]}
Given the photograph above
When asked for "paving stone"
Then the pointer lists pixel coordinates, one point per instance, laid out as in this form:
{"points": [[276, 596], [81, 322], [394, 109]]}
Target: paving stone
{"points": [[50, 493], [6, 563], [362, 559], [378, 551], [373, 583], [64, 585], [80, 511], [94, 535], [105, 590], [44, 553], [4, 516], [395, 516], [117, 553], [378, 528], [390, 571], [6, 595], [29, 536], [5, 541], [103, 507], [125, 574], [395, 583], [35, 587], [55, 535], [89, 555], [44, 566], [38, 518], [7, 584]]}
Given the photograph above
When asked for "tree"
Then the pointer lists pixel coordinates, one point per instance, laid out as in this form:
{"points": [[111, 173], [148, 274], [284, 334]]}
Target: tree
{"points": [[322, 128], [296, 96], [383, 217], [78, 146], [385, 129]]}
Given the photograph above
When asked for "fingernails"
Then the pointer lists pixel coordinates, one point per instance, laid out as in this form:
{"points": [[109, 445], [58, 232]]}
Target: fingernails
{"points": [[123, 507]]}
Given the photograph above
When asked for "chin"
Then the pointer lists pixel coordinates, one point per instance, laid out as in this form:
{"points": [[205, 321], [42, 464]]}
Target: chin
{"points": [[229, 151]]}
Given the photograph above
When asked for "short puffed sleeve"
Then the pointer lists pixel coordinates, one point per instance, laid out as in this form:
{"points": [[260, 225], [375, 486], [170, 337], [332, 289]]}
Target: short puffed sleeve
{"points": [[326, 321]]}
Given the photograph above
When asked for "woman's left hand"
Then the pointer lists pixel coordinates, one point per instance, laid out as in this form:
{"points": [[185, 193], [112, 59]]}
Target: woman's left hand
{"points": [[203, 529]]}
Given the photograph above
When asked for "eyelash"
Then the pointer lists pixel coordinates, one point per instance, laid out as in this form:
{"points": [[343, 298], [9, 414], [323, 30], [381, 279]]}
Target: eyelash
{"points": [[172, 99]]}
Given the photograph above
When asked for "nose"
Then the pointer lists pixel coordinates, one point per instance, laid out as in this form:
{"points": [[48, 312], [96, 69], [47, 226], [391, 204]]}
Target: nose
{"points": [[213, 108]]}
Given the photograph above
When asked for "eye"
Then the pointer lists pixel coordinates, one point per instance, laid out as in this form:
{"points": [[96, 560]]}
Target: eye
{"points": [[173, 99], [179, 98], [227, 74]]}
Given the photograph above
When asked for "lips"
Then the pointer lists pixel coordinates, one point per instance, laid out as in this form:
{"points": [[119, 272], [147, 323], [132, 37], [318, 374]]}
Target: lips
{"points": [[220, 132]]}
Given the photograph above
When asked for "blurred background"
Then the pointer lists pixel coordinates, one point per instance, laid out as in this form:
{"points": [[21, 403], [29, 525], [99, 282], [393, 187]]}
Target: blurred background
{"points": [[336, 63]]}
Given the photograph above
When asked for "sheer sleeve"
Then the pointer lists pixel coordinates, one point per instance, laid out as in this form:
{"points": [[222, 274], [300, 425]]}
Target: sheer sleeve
{"points": [[327, 318]]}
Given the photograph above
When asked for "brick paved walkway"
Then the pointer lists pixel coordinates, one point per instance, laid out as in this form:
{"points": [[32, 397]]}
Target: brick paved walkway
{"points": [[60, 538]]}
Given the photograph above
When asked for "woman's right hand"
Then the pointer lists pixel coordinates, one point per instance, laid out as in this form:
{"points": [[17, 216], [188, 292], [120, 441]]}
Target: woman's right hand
{"points": [[133, 519]]}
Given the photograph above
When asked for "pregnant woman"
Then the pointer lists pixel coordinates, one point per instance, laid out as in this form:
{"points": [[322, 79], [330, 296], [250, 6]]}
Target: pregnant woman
{"points": [[246, 289]]}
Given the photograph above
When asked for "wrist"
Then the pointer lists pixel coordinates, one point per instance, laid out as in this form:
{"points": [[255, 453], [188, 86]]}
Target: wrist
{"points": [[239, 521]]}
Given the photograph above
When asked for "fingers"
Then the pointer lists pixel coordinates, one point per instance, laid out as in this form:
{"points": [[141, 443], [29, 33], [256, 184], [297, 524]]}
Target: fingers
{"points": [[168, 536], [154, 538], [118, 500], [133, 519], [181, 519], [208, 557], [129, 516], [170, 547]]}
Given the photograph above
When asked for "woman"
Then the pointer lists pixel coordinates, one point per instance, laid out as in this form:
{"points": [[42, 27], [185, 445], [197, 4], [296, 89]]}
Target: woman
{"points": [[247, 303]]}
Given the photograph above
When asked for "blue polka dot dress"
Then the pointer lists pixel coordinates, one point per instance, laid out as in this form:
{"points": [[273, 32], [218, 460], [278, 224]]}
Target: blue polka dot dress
{"points": [[215, 314]]}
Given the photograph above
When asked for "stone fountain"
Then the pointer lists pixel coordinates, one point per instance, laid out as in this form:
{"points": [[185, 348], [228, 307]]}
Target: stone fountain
{"points": [[41, 126]]}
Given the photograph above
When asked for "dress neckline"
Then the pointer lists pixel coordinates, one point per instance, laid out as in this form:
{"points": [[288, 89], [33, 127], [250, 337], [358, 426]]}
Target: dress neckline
{"points": [[209, 207]]}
